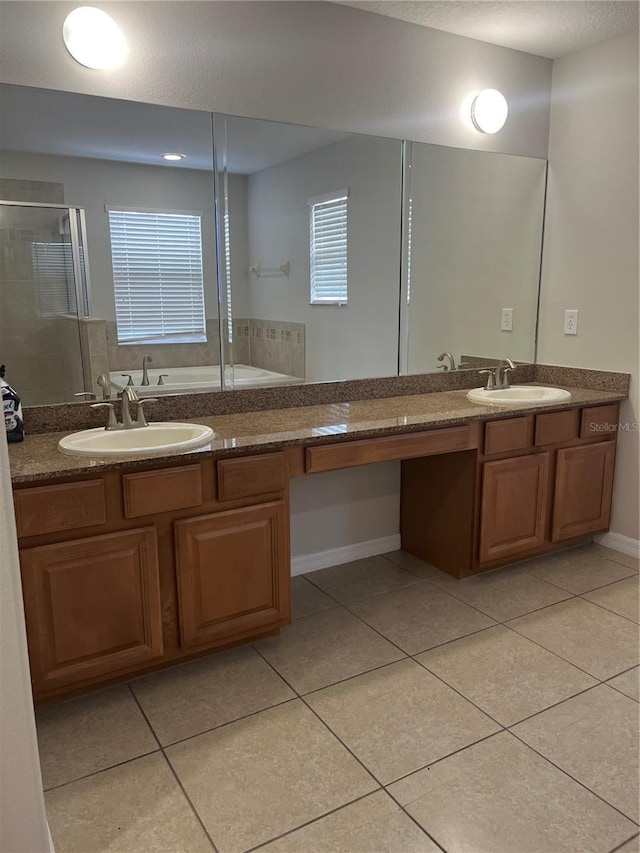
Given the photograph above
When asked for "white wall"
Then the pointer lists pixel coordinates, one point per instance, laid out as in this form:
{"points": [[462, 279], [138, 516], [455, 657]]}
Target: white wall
{"points": [[306, 62], [360, 339], [23, 826], [590, 257], [92, 184], [476, 241]]}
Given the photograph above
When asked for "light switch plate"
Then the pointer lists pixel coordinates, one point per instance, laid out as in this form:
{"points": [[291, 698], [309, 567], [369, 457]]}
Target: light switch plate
{"points": [[507, 320], [571, 322]]}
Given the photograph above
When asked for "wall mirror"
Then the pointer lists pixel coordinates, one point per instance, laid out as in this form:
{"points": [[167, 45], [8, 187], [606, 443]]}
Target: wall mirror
{"points": [[472, 257], [145, 239], [311, 229], [341, 256]]}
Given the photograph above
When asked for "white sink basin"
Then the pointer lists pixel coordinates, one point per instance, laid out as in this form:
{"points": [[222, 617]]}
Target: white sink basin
{"points": [[155, 439], [530, 395]]}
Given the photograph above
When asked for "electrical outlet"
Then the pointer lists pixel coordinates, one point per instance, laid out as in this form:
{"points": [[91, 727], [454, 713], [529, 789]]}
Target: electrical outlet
{"points": [[571, 322], [507, 320]]}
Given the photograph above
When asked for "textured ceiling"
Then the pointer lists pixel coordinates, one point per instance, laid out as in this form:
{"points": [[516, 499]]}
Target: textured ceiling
{"points": [[550, 28]]}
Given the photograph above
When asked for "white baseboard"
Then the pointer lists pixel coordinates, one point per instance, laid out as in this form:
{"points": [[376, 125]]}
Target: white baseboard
{"points": [[618, 542], [335, 556]]}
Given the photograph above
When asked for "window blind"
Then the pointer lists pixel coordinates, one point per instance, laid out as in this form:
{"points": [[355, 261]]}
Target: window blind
{"points": [[53, 273], [328, 239], [157, 276]]}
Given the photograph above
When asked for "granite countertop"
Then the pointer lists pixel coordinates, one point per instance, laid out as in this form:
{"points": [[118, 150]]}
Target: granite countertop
{"points": [[37, 458]]}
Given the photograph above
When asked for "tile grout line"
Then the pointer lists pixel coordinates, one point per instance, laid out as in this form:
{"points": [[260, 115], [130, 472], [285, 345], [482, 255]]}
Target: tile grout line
{"points": [[175, 775], [620, 846], [577, 781], [312, 821], [101, 770], [608, 609]]}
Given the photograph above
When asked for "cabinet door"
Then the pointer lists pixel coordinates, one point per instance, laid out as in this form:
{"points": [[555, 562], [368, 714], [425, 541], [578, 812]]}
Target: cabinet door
{"points": [[92, 606], [514, 506], [233, 573], [584, 483]]}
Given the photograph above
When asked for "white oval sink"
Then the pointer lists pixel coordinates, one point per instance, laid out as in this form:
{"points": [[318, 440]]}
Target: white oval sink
{"points": [[157, 439], [530, 395]]}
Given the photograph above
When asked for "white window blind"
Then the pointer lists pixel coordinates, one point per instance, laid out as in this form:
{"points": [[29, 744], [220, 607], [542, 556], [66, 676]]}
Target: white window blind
{"points": [[157, 276], [53, 273], [328, 220]]}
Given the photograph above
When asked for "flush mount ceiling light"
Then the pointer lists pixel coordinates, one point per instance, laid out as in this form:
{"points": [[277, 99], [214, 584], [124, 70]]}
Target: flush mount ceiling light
{"points": [[93, 38], [173, 157], [489, 111]]}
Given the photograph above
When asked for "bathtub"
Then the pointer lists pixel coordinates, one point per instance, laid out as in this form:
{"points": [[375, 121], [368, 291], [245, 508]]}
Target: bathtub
{"points": [[186, 380]]}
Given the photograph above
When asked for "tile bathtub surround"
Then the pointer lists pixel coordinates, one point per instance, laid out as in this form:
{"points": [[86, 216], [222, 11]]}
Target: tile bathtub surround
{"points": [[291, 776]]}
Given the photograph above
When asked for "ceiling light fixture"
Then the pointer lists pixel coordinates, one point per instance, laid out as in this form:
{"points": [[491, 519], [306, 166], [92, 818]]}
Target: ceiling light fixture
{"points": [[173, 157], [93, 38], [489, 111]]}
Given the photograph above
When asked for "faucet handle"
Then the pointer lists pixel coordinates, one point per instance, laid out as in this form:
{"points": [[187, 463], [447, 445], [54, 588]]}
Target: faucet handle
{"points": [[88, 394], [141, 420], [162, 377], [491, 377], [112, 421], [130, 382]]}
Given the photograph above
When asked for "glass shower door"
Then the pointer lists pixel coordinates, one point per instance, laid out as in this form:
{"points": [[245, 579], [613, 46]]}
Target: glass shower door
{"points": [[43, 293]]}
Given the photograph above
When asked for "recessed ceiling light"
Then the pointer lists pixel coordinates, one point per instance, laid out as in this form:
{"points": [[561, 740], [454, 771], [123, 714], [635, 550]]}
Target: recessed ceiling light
{"points": [[93, 38], [173, 156], [489, 111]]}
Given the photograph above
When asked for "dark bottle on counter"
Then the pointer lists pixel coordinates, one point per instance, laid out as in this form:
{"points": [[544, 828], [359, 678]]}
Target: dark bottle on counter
{"points": [[12, 409]]}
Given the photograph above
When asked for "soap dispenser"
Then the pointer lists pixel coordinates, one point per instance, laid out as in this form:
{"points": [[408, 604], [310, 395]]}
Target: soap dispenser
{"points": [[12, 409]]}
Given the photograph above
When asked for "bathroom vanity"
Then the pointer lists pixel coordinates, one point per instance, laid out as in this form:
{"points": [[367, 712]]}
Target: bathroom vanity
{"points": [[132, 564]]}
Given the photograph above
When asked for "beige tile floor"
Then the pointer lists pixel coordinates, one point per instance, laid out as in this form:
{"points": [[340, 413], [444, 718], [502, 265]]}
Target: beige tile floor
{"points": [[401, 712]]}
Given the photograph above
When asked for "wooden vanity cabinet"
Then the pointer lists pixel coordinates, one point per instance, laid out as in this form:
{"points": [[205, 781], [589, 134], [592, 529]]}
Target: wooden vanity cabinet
{"points": [[537, 483], [164, 564]]}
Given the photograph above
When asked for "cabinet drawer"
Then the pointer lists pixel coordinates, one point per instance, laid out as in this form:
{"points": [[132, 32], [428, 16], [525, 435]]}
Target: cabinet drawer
{"points": [[153, 492], [556, 427], [50, 509], [505, 436], [251, 476], [598, 421], [348, 454]]}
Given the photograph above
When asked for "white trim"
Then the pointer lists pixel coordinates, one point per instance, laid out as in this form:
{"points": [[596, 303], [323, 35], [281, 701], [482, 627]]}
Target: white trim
{"points": [[618, 542], [336, 195], [161, 211], [336, 556]]}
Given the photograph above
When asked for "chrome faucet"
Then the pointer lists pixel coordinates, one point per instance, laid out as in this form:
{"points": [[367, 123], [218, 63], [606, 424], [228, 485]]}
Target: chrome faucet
{"points": [[127, 395], [451, 359], [146, 359], [505, 365]]}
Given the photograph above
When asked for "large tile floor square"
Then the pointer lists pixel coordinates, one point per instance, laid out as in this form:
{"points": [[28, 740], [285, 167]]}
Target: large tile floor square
{"points": [[420, 617], [621, 598], [194, 697], [499, 796], [504, 674], [324, 648], [137, 807], [374, 823], [581, 569], [260, 777], [362, 578], [89, 734], [594, 738], [399, 718], [594, 639]]}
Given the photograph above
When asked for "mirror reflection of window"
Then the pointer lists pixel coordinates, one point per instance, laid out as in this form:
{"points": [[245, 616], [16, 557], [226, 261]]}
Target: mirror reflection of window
{"points": [[157, 276], [328, 248]]}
